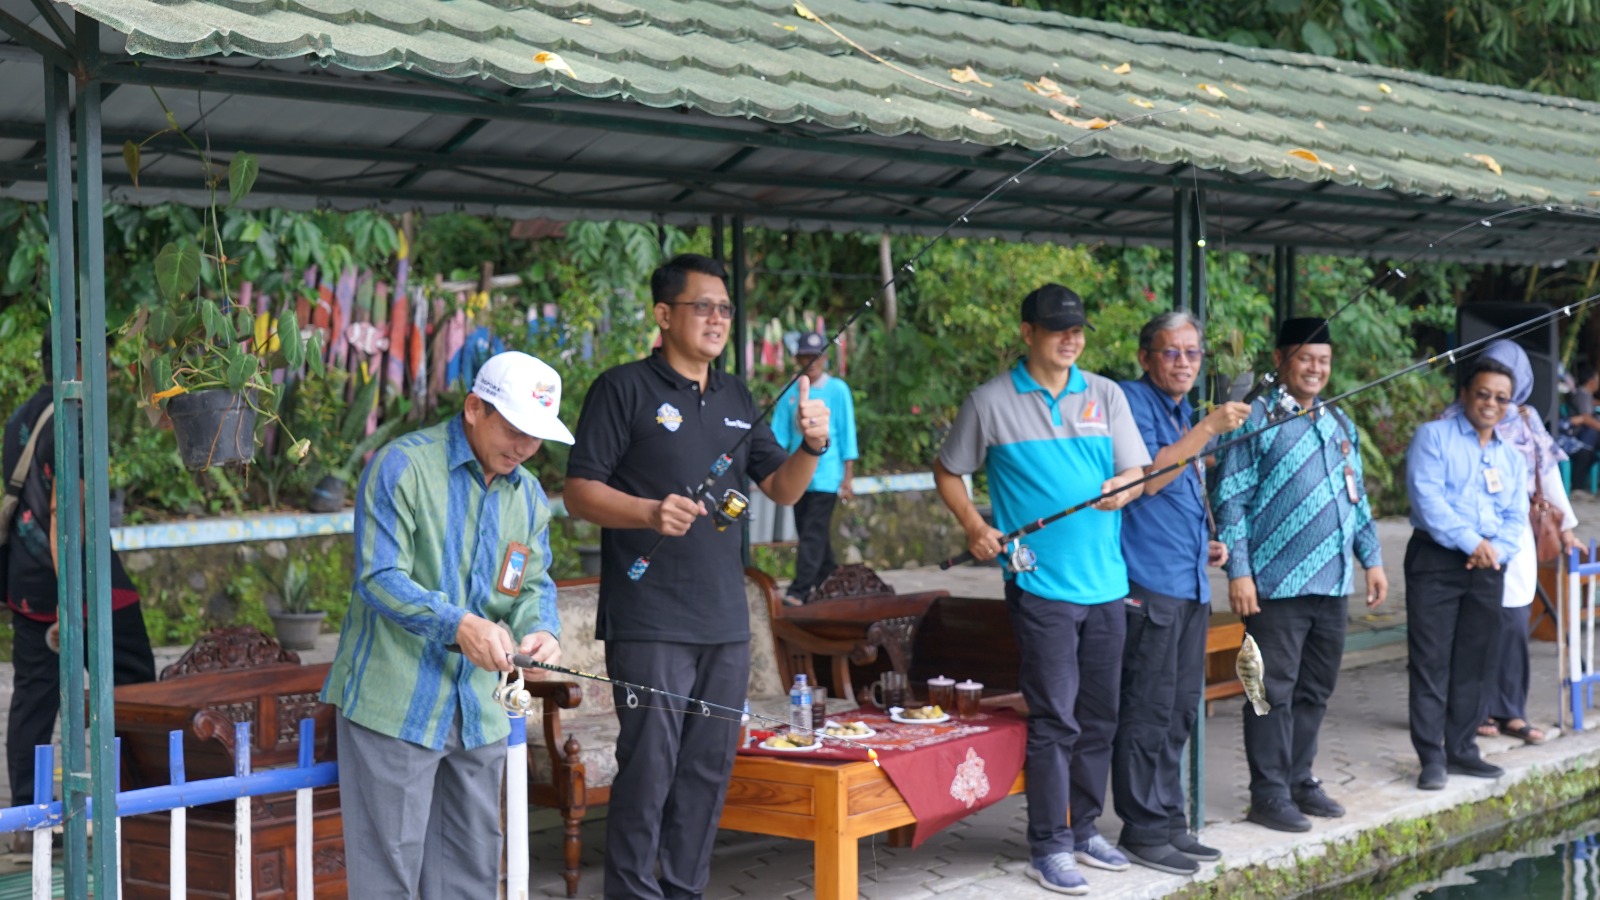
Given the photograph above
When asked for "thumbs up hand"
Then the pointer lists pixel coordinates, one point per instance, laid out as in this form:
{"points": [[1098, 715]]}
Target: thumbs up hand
{"points": [[812, 417]]}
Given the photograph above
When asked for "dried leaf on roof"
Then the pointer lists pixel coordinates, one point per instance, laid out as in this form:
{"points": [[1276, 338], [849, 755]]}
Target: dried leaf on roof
{"points": [[976, 113], [1311, 157], [802, 12], [1094, 123], [1487, 160], [1319, 124], [1213, 90], [552, 61], [1049, 88], [968, 75], [1123, 69], [1141, 103], [583, 21], [1364, 108], [1385, 88], [1207, 113]]}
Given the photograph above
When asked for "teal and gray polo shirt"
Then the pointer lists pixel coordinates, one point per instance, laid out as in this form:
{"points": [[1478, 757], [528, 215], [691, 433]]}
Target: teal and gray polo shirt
{"points": [[1044, 454]]}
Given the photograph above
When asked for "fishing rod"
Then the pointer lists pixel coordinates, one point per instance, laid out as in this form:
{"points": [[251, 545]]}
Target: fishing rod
{"points": [[1450, 356], [727, 509], [525, 700], [1270, 379]]}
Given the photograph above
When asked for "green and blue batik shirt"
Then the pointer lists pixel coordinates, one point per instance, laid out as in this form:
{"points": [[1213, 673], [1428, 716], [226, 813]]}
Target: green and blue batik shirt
{"points": [[431, 540]]}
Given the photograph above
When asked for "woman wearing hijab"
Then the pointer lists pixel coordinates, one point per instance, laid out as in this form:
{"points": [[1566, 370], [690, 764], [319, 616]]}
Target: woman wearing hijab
{"points": [[1522, 428]]}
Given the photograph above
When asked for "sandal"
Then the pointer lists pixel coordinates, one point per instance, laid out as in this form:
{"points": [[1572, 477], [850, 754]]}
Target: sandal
{"points": [[1489, 728], [1528, 733]]}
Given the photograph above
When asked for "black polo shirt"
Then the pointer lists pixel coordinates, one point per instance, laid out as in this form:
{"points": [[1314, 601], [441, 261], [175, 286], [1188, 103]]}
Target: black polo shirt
{"points": [[647, 431]]}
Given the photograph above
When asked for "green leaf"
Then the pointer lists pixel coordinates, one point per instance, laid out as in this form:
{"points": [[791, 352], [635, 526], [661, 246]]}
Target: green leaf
{"points": [[244, 324], [242, 172], [130, 158], [162, 325], [1318, 40], [289, 339], [212, 318], [160, 374], [177, 269], [240, 370], [314, 355]]}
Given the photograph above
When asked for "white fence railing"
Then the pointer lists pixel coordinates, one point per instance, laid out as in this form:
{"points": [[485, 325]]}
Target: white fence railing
{"points": [[177, 796]]}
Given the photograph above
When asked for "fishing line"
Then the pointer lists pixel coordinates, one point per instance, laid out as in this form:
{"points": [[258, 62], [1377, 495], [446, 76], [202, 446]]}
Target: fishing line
{"points": [[1451, 357], [720, 467]]}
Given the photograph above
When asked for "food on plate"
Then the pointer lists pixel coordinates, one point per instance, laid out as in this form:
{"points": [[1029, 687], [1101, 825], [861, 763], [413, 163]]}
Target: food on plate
{"points": [[787, 742], [846, 729], [922, 712]]}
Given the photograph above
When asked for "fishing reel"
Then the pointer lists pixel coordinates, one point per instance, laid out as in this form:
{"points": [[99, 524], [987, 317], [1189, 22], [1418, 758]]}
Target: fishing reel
{"points": [[728, 510], [513, 696], [1020, 558]]}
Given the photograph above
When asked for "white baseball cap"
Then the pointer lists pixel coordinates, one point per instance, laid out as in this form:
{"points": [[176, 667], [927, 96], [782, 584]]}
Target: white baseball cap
{"points": [[526, 391]]}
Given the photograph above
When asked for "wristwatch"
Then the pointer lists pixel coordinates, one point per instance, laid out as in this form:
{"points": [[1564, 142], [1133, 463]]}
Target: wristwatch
{"points": [[825, 445]]}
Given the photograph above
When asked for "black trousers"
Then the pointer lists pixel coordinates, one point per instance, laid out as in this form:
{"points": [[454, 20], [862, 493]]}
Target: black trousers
{"points": [[1302, 643], [1069, 675], [1452, 633], [1508, 698], [813, 520], [672, 767], [1163, 676], [36, 686]]}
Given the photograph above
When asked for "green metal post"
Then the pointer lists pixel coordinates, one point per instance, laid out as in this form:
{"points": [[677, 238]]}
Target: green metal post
{"points": [[741, 328], [1283, 286], [1191, 239], [1182, 243], [94, 464], [75, 784]]}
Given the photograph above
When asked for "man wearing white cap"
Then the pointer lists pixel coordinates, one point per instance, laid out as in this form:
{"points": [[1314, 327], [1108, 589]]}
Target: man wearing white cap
{"points": [[452, 552]]}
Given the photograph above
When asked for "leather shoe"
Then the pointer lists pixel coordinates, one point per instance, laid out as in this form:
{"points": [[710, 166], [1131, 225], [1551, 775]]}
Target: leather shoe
{"points": [[1432, 778], [1279, 814], [1314, 801], [1190, 846], [1162, 858], [1477, 768]]}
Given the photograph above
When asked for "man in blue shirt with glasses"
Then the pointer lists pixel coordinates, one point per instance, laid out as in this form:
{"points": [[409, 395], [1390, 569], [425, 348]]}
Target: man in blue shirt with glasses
{"points": [[1167, 541], [1469, 504]]}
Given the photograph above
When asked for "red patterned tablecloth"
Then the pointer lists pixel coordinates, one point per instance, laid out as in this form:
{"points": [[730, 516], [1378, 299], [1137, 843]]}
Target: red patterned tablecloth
{"points": [[945, 771]]}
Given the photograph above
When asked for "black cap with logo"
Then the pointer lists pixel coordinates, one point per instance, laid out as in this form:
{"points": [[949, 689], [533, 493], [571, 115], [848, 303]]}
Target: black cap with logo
{"points": [[1054, 308]]}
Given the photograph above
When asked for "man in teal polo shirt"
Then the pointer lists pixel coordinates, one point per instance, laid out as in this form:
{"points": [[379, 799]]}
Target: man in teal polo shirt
{"points": [[1052, 436], [452, 549], [813, 512]]}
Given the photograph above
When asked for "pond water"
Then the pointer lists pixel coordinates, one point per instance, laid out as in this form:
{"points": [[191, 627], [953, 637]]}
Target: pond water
{"points": [[1562, 868]]}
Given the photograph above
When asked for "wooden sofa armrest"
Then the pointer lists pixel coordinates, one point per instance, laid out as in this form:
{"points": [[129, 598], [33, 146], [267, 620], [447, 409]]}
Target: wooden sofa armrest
{"points": [[557, 695]]}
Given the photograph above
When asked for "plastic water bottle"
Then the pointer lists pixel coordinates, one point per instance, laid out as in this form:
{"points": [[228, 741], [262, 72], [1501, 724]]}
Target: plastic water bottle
{"points": [[800, 706]]}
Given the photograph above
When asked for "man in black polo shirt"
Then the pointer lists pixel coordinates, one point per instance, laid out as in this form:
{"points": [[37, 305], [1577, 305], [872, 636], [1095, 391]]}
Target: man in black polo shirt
{"points": [[648, 431]]}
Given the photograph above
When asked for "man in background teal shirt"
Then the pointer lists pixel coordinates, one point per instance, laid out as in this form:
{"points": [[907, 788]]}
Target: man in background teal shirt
{"points": [[813, 512], [452, 549]]}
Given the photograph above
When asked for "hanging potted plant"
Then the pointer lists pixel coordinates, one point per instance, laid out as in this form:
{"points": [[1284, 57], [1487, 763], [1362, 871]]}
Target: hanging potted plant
{"points": [[205, 362]]}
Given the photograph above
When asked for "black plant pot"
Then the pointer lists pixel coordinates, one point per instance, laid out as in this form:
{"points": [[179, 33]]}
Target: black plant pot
{"points": [[213, 428], [328, 495]]}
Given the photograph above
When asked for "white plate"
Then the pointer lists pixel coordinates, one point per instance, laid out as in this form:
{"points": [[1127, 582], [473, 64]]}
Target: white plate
{"points": [[849, 737], [895, 716], [814, 745]]}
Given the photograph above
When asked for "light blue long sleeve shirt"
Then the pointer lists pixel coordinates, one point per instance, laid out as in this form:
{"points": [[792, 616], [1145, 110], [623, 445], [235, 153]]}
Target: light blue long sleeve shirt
{"points": [[1446, 473]]}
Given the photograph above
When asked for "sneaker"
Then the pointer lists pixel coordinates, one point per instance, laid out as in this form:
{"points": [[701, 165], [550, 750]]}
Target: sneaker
{"points": [[1098, 852], [1058, 872], [1312, 800], [1162, 858], [1474, 767], [1432, 778], [1190, 846], [1279, 814]]}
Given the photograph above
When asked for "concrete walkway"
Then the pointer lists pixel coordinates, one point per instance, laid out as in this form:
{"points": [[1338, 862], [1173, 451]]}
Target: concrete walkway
{"points": [[1365, 759]]}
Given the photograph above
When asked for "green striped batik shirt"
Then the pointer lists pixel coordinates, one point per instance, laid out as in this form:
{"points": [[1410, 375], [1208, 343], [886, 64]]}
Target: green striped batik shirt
{"points": [[431, 541]]}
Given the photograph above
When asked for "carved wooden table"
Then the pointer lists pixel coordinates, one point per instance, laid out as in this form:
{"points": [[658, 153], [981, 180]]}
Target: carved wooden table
{"points": [[205, 707]]}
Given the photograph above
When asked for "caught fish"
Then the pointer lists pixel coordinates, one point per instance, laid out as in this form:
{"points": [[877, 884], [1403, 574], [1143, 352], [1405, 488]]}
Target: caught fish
{"points": [[1250, 671]]}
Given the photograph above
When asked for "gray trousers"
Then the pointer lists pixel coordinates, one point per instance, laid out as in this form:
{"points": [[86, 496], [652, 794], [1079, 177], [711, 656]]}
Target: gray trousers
{"points": [[673, 765], [419, 823]]}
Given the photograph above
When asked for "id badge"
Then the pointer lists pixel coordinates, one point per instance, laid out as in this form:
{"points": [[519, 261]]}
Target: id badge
{"points": [[512, 569], [1491, 480], [1350, 484]]}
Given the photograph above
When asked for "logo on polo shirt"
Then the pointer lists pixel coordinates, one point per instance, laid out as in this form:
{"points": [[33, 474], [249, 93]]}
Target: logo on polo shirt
{"points": [[736, 423], [668, 417], [1091, 411]]}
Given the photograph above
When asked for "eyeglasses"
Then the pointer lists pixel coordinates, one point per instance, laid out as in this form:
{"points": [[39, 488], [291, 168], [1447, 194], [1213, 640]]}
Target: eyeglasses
{"points": [[703, 308], [1483, 396], [1171, 355]]}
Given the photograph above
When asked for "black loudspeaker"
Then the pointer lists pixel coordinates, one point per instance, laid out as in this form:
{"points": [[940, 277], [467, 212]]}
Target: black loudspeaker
{"points": [[1477, 321]]}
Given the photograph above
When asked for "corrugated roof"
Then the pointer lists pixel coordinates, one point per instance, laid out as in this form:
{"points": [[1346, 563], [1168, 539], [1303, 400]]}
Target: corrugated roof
{"points": [[842, 115]]}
